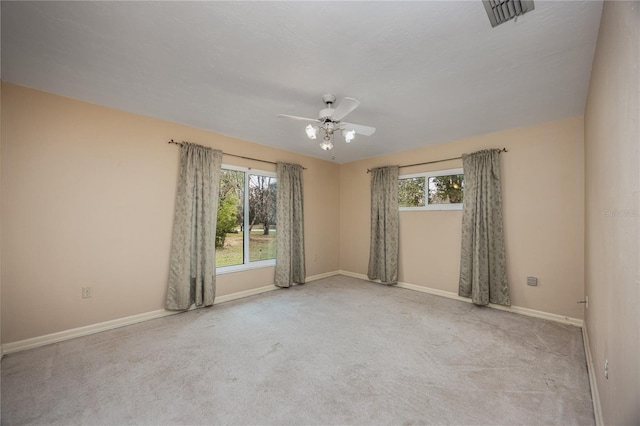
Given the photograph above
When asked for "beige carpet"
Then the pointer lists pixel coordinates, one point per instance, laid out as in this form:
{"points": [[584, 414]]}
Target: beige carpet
{"points": [[334, 351]]}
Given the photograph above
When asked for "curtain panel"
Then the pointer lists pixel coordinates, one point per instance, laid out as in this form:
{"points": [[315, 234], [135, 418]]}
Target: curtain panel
{"points": [[290, 262], [192, 269], [483, 275], [385, 229]]}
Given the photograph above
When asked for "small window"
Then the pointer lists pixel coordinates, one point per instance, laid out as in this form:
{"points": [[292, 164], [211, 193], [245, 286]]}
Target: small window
{"points": [[246, 224], [440, 190]]}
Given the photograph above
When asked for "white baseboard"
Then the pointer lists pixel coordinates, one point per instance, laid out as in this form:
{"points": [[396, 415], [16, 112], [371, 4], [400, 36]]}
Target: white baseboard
{"points": [[35, 342], [595, 396], [61, 336], [515, 309], [245, 293], [321, 276], [576, 322], [354, 275]]}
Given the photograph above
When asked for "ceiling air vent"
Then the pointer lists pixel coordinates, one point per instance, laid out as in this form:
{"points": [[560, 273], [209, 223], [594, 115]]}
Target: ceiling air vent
{"points": [[500, 11]]}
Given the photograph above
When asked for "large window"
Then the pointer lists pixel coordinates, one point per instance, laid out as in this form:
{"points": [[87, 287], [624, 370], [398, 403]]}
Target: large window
{"points": [[441, 190], [246, 228]]}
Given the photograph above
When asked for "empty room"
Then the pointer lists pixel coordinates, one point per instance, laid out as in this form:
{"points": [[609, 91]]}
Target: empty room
{"points": [[320, 213]]}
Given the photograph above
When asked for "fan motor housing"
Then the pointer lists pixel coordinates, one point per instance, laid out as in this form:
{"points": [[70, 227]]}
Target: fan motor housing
{"points": [[328, 98], [326, 113]]}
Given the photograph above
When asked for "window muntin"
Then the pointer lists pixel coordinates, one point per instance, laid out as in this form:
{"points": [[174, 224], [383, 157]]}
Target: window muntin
{"points": [[439, 190], [247, 203]]}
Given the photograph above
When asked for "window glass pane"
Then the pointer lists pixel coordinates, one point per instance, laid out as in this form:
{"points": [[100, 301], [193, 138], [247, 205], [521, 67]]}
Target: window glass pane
{"points": [[411, 192], [446, 189], [262, 217], [229, 227]]}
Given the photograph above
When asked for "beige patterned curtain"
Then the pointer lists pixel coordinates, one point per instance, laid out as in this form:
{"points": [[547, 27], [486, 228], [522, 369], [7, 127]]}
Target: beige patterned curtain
{"points": [[483, 274], [192, 269], [290, 267], [385, 230]]}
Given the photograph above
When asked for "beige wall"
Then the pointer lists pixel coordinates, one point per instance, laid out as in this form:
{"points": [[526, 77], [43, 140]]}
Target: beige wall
{"points": [[543, 195], [612, 255], [87, 200]]}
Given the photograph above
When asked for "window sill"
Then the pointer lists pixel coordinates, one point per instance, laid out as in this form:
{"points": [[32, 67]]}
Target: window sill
{"points": [[457, 206], [246, 267]]}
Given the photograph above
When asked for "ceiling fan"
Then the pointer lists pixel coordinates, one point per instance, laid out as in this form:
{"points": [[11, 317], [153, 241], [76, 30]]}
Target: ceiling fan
{"points": [[330, 121]]}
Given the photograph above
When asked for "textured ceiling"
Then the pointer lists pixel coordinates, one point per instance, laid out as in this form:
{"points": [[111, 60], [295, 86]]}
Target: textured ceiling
{"points": [[424, 72]]}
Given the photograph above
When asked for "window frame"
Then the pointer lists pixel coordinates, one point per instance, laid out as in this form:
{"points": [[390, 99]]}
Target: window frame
{"points": [[247, 265], [427, 175]]}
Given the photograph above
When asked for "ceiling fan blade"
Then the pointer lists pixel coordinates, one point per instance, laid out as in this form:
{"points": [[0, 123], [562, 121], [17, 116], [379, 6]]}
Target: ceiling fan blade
{"points": [[360, 129], [294, 117], [345, 107]]}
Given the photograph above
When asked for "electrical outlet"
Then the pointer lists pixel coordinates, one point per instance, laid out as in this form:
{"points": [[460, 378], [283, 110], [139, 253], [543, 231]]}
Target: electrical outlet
{"points": [[315, 257], [86, 292], [606, 369], [532, 281]]}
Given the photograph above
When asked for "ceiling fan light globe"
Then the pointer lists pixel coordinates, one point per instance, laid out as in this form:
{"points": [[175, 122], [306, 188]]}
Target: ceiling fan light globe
{"points": [[312, 131], [349, 135], [326, 145]]}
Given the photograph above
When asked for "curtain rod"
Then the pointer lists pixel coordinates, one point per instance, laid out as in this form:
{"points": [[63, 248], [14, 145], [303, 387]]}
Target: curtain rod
{"points": [[437, 161], [234, 155]]}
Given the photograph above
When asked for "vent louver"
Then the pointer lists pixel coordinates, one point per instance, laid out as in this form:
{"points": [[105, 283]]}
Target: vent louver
{"points": [[500, 11]]}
